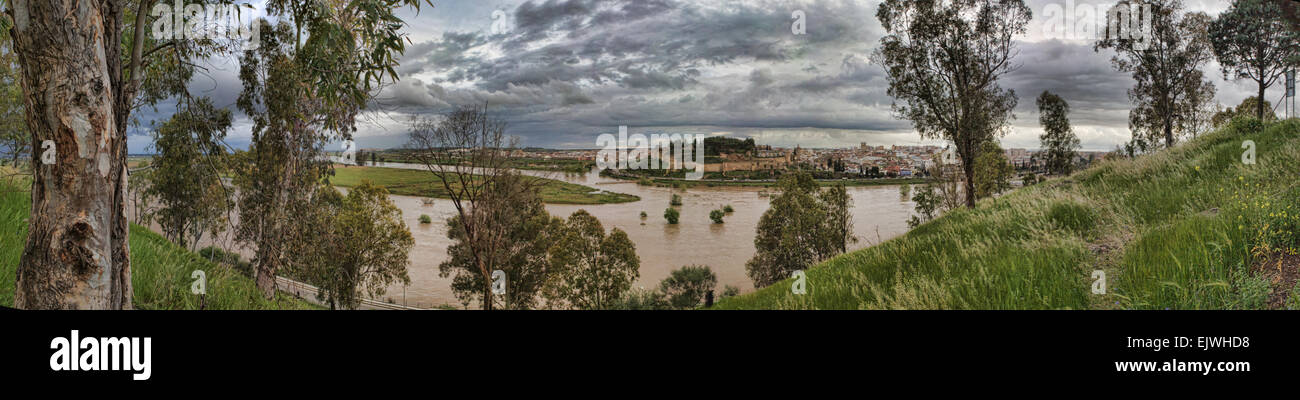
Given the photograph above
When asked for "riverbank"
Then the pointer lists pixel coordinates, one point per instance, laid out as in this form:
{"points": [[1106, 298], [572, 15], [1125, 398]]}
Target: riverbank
{"points": [[1192, 227], [413, 182]]}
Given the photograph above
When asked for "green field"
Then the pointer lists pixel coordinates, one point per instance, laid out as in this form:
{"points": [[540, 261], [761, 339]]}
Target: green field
{"points": [[160, 270], [527, 163], [413, 182], [1192, 227]]}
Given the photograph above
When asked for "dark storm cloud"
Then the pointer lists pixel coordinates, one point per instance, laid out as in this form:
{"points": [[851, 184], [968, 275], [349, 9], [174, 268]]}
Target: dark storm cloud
{"points": [[445, 53], [575, 66], [1097, 94]]}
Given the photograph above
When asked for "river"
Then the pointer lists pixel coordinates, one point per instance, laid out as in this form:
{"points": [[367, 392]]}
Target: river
{"points": [[878, 214]]}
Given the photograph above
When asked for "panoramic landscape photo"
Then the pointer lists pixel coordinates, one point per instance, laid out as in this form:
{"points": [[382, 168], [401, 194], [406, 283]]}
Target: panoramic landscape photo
{"points": [[649, 155]]}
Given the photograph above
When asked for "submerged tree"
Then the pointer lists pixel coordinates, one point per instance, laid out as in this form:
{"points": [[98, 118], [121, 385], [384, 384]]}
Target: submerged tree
{"points": [[1058, 139], [1252, 40], [943, 60], [1166, 62]]}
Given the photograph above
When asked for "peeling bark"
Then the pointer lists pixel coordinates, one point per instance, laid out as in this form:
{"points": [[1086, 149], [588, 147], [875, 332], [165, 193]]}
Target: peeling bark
{"points": [[76, 255]]}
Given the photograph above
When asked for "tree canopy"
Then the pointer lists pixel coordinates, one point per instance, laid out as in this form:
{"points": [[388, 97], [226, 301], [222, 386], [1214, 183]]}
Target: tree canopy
{"points": [[796, 231], [1170, 87], [943, 60], [1058, 140], [589, 269], [1252, 40]]}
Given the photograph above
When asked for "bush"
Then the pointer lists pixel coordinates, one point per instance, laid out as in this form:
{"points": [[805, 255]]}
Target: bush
{"points": [[675, 200], [728, 291], [426, 219], [1293, 301], [728, 209], [687, 286], [643, 215], [671, 215], [1252, 290], [641, 299], [1246, 124], [716, 216], [1030, 179]]}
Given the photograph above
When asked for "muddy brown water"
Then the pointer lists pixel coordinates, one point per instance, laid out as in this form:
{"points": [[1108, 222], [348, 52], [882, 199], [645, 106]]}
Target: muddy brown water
{"points": [[878, 214]]}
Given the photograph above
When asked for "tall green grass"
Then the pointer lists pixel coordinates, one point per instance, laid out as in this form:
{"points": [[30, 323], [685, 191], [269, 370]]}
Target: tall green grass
{"points": [[1164, 227], [160, 270]]}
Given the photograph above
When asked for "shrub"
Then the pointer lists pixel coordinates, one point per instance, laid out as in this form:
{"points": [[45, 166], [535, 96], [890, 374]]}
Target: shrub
{"points": [[728, 291], [641, 299], [643, 215], [716, 216], [1252, 290], [426, 219], [728, 209], [1246, 124], [687, 286], [1293, 301], [671, 215], [675, 200]]}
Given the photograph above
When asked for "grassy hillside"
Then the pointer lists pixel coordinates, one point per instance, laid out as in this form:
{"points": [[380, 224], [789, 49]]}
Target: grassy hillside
{"points": [[413, 182], [160, 270], [1188, 228]]}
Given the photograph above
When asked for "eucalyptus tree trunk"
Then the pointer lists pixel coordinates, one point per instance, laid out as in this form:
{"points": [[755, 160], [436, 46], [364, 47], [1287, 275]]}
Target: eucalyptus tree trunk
{"points": [[76, 251]]}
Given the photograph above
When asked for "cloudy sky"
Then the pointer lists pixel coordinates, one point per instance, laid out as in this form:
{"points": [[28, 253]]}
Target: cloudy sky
{"points": [[561, 72]]}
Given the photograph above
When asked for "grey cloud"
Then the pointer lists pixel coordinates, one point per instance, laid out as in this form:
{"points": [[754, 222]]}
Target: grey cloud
{"points": [[571, 68]]}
